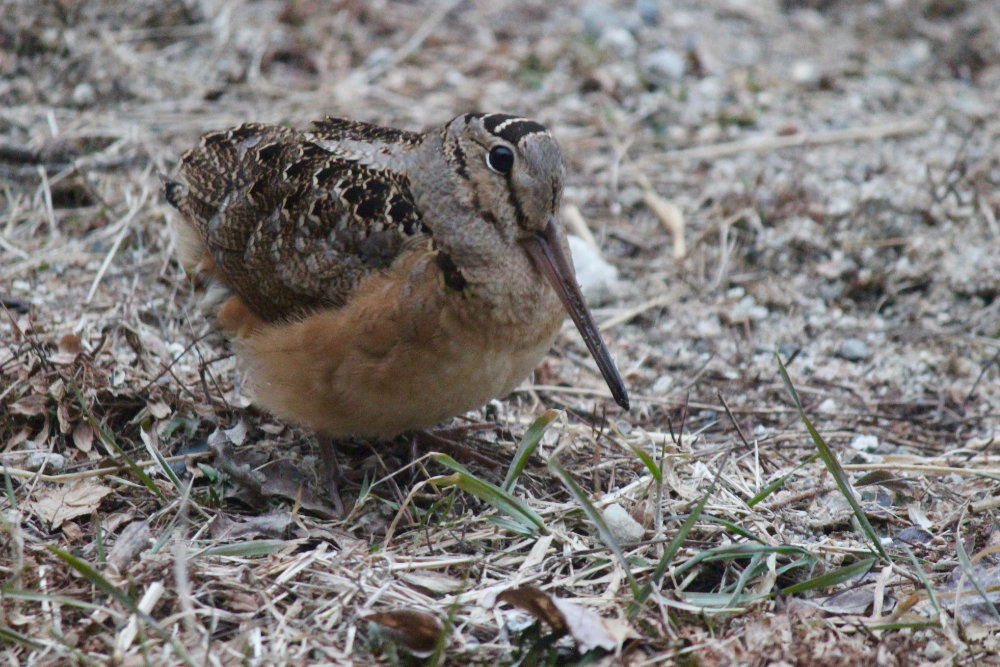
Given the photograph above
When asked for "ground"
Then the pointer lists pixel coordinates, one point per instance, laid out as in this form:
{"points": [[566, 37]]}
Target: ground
{"points": [[813, 180]]}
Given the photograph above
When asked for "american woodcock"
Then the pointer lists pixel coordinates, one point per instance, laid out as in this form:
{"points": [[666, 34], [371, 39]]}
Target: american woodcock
{"points": [[384, 280]]}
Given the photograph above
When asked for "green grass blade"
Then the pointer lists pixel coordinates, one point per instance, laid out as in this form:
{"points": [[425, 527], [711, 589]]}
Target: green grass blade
{"points": [[919, 572], [832, 578], [595, 518], [833, 465], [527, 447], [668, 554], [643, 456], [154, 452], [98, 580], [778, 483], [146, 480], [250, 549], [489, 493], [57, 599], [970, 572], [10, 636]]}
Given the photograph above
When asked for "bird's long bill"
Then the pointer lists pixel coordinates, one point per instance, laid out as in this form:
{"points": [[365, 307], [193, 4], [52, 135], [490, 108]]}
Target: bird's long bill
{"points": [[546, 250]]}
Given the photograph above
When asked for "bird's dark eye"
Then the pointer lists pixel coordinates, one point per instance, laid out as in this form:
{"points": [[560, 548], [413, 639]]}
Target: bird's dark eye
{"points": [[500, 159]]}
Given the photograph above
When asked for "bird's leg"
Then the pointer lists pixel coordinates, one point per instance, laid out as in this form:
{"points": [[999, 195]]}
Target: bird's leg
{"points": [[331, 468]]}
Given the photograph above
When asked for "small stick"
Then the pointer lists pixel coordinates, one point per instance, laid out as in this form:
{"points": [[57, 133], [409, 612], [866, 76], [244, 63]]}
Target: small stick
{"points": [[766, 144], [577, 225], [668, 213]]}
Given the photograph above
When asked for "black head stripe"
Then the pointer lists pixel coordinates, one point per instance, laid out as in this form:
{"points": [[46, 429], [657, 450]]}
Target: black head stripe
{"points": [[511, 128]]}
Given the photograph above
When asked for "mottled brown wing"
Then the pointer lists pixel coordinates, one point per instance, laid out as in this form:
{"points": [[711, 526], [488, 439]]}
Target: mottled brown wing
{"points": [[291, 226]]}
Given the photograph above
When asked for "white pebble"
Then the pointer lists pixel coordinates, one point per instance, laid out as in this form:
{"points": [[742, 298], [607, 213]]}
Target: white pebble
{"points": [[623, 527]]}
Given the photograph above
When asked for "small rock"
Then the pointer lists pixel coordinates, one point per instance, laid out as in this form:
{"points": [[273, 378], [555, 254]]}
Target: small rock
{"points": [[598, 279], [914, 56], [84, 95], [618, 40], [649, 11], [598, 17], [47, 462], [865, 443], [748, 310], [708, 327], [828, 407], [664, 66], [663, 384], [853, 349], [623, 527], [933, 651], [805, 73]]}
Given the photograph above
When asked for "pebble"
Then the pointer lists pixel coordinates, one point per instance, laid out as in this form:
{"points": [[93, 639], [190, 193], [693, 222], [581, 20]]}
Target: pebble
{"points": [[598, 279], [664, 66], [865, 443], [805, 73], [47, 462], [649, 11], [663, 384], [598, 17], [748, 310], [619, 41], [84, 95], [623, 527], [933, 651], [853, 349]]}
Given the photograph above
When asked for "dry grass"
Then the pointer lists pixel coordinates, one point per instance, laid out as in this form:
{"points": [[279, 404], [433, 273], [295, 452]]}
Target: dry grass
{"points": [[857, 204]]}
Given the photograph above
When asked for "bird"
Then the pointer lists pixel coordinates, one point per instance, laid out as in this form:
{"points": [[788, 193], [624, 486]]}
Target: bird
{"points": [[379, 281]]}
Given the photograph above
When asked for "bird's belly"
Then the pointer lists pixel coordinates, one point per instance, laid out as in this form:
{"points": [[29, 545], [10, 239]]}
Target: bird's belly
{"points": [[401, 356]]}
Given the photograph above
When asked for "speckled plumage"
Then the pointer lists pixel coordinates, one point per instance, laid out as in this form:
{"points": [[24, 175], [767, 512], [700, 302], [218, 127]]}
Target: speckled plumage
{"points": [[383, 280]]}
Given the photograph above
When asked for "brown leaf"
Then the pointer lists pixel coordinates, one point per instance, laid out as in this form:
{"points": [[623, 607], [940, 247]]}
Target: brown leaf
{"points": [[30, 406], [590, 629], [72, 531], [63, 502], [536, 602], [83, 437], [133, 540], [69, 344], [158, 409], [65, 418], [416, 630], [587, 627]]}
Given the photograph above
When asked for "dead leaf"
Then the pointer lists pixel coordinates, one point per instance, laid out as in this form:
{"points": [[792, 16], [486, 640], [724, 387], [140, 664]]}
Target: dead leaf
{"points": [[588, 628], [63, 502], [158, 409], [83, 437], [536, 602], [30, 406], [132, 541], [591, 630], [273, 524], [69, 344], [65, 418], [72, 532], [416, 630], [855, 601]]}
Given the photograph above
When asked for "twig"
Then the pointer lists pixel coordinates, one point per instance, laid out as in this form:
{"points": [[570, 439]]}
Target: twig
{"points": [[631, 313], [766, 144], [668, 213], [125, 228], [577, 225], [415, 40]]}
